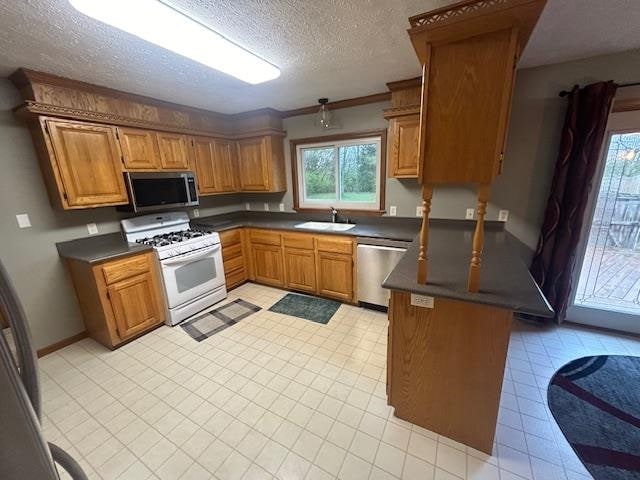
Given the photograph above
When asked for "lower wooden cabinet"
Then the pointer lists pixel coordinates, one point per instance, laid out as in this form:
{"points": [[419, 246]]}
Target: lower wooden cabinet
{"points": [[119, 299], [267, 264], [335, 275], [300, 269], [233, 257]]}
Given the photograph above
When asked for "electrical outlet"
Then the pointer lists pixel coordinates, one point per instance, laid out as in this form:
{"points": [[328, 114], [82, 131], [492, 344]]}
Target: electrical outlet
{"points": [[470, 213], [419, 211], [196, 213], [281, 206], [23, 220], [503, 215], [92, 228], [421, 301], [393, 210], [266, 207], [247, 206]]}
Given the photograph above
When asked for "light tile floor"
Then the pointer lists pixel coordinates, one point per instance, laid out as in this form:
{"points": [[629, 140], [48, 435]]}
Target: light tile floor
{"points": [[280, 397]]}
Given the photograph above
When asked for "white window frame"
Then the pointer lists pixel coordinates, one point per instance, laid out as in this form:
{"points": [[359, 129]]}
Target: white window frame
{"points": [[303, 203]]}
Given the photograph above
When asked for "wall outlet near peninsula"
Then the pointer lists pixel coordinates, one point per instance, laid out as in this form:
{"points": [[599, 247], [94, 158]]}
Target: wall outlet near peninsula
{"points": [[393, 210], [419, 211], [23, 220], [266, 207], [503, 215], [421, 301], [247, 206], [196, 213], [281, 206], [92, 228], [470, 213]]}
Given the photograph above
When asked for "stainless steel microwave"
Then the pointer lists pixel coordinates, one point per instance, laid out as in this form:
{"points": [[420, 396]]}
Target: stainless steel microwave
{"points": [[160, 190]]}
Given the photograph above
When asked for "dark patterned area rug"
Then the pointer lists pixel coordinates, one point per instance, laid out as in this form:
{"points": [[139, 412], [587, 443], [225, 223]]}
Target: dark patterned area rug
{"points": [[596, 402], [319, 310], [214, 321]]}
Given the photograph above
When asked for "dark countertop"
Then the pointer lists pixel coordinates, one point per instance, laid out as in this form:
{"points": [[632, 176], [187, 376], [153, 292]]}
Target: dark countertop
{"points": [[392, 228], [99, 248], [504, 278]]}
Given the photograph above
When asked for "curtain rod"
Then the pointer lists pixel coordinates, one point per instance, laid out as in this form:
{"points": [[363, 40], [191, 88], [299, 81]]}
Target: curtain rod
{"points": [[564, 93]]}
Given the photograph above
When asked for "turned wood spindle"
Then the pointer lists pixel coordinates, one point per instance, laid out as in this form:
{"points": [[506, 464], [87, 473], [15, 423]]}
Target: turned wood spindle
{"points": [[427, 192], [478, 240]]}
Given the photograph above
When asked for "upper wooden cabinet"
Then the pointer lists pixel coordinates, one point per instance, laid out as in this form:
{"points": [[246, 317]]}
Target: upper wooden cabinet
{"points": [[214, 164], [139, 149], [261, 164], [403, 146], [174, 151], [82, 162]]}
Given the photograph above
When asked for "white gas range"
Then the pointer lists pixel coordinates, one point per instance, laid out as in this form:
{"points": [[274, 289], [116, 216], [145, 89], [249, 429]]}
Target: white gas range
{"points": [[191, 261]]}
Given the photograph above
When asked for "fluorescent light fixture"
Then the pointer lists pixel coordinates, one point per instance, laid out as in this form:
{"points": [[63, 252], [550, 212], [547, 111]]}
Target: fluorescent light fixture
{"points": [[157, 22]]}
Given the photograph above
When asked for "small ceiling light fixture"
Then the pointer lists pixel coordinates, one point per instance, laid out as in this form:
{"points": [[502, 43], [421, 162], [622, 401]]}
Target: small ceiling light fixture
{"points": [[163, 25], [323, 117]]}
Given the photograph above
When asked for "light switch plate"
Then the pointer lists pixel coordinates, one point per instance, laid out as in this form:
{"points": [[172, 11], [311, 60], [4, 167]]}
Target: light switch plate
{"points": [[23, 220], [419, 211], [393, 210], [281, 206], [503, 215], [247, 206], [470, 213], [421, 301], [266, 207], [92, 228], [196, 213]]}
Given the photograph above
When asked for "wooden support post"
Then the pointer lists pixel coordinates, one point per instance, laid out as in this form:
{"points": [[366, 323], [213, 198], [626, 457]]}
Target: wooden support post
{"points": [[427, 192], [478, 239]]}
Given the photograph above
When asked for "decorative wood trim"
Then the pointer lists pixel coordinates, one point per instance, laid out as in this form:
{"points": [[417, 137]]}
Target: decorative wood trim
{"points": [[350, 102], [61, 344], [626, 105], [293, 144], [401, 111], [404, 84], [443, 14]]}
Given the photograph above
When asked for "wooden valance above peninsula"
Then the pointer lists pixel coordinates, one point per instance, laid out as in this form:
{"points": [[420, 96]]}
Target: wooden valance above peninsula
{"points": [[469, 52]]}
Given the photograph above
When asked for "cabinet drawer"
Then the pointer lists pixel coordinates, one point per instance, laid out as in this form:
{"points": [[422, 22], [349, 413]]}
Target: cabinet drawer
{"points": [[265, 237], [233, 264], [234, 279], [119, 270], [230, 237], [233, 251], [334, 244], [298, 240]]}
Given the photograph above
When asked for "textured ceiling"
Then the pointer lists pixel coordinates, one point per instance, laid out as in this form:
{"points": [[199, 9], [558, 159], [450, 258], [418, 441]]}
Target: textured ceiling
{"points": [[337, 49]]}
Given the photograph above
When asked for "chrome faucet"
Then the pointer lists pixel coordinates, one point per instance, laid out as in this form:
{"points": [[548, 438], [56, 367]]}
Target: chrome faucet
{"points": [[334, 215]]}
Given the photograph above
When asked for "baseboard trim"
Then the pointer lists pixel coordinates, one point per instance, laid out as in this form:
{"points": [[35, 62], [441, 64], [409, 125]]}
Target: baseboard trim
{"points": [[61, 344]]}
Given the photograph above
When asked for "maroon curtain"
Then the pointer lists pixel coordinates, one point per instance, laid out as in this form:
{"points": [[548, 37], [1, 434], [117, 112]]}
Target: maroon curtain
{"points": [[582, 137]]}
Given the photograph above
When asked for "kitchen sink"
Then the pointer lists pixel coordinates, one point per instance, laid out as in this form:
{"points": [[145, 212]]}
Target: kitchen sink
{"points": [[326, 226]]}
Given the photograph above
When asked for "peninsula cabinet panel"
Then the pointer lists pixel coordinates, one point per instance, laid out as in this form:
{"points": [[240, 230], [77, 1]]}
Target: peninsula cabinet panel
{"points": [[335, 275], [85, 162], [139, 149], [300, 269], [135, 306], [261, 164], [267, 264], [403, 146], [174, 151]]}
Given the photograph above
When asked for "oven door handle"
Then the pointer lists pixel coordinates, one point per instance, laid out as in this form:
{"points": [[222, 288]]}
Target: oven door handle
{"points": [[206, 251]]}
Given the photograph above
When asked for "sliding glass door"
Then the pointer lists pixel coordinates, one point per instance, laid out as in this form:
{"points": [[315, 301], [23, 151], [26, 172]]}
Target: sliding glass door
{"points": [[607, 278]]}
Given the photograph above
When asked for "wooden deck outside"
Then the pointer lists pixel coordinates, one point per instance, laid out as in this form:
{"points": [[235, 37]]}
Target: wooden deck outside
{"points": [[610, 278]]}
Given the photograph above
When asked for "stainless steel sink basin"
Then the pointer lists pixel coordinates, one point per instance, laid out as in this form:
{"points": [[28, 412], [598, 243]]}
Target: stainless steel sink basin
{"points": [[326, 226]]}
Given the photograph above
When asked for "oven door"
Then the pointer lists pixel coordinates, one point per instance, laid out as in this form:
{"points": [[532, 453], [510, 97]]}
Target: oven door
{"points": [[189, 276]]}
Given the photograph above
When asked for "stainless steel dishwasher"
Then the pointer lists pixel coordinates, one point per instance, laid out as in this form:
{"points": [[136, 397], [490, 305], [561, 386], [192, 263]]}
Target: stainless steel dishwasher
{"points": [[376, 259]]}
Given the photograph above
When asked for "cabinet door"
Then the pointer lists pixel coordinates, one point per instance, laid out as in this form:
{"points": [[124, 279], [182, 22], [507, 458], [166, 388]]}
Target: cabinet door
{"points": [[89, 164], [139, 149], [135, 304], [224, 161], [204, 165], [174, 151], [404, 146], [267, 264], [335, 275], [300, 269], [253, 167]]}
